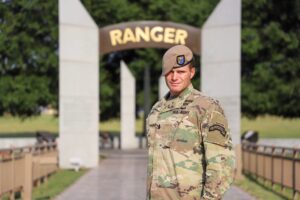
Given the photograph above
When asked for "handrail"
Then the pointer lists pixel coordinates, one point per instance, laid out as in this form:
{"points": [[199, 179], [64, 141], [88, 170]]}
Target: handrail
{"points": [[276, 164], [23, 167], [50, 144]]}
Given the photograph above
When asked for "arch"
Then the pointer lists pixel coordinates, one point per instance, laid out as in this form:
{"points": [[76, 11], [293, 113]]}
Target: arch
{"points": [[80, 40]]}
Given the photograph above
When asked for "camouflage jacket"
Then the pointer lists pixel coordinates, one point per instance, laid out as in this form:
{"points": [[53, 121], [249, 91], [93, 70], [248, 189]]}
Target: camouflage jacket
{"points": [[190, 149]]}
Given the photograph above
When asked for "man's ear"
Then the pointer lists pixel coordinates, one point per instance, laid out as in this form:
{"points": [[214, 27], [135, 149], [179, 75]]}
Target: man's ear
{"points": [[192, 72]]}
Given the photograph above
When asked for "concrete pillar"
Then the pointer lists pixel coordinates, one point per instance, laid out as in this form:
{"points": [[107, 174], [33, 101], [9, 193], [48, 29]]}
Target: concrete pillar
{"points": [[221, 64], [78, 86], [221, 60], [163, 88], [128, 139]]}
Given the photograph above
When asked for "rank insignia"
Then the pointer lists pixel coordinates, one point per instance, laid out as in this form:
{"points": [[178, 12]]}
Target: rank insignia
{"points": [[180, 59]]}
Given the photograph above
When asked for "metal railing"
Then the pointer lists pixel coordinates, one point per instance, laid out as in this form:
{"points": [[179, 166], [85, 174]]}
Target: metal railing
{"points": [[22, 168], [278, 165]]}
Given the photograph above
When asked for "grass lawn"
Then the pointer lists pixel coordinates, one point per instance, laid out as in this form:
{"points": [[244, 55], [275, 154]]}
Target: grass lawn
{"points": [[57, 183], [114, 125], [267, 126], [263, 191], [273, 127], [15, 126]]}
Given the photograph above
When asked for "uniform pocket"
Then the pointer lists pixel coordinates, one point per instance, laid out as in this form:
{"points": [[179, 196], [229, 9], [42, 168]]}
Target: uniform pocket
{"points": [[187, 156], [185, 139]]}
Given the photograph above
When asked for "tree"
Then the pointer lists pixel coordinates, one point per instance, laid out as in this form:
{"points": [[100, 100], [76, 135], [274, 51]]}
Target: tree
{"points": [[29, 58], [28, 55], [270, 58]]}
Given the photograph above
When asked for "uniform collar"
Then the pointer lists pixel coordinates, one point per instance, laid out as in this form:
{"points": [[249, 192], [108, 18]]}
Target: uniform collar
{"points": [[177, 101]]}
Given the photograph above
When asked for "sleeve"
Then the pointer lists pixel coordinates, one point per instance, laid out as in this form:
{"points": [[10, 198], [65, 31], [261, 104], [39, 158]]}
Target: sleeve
{"points": [[219, 154], [150, 156], [149, 171]]}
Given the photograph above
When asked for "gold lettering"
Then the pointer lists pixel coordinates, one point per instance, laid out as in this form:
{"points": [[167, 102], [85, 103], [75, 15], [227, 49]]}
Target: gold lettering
{"points": [[128, 36], [140, 33], [155, 33], [115, 37], [181, 35], [169, 35]]}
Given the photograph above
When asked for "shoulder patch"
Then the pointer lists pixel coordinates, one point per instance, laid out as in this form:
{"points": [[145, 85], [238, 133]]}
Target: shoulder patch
{"points": [[218, 127]]}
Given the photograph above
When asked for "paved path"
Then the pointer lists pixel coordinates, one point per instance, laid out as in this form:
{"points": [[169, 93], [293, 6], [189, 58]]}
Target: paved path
{"points": [[282, 142], [122, 176]]}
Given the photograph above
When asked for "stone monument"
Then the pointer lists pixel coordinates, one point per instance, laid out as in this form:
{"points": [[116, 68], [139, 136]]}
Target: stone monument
{"points": [[128, 139], [221, 61], [78, 86]]}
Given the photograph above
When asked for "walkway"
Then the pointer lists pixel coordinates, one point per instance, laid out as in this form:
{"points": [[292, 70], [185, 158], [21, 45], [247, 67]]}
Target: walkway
{"points": [[281, 142], [122, 176]]}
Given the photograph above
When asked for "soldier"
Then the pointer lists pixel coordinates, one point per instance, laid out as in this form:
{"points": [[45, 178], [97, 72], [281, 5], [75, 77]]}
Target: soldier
{"points": [[189, 143]]}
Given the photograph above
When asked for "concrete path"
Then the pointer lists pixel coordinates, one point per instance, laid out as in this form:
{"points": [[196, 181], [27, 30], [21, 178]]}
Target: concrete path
{"points": [[122, 176], [281, 142]]}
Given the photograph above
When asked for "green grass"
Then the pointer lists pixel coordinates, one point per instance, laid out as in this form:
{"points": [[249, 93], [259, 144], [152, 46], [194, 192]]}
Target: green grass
{"points": [[57, 183], [273, 127], [114, 125], [267, 126], [263, 190], [15, 125]]}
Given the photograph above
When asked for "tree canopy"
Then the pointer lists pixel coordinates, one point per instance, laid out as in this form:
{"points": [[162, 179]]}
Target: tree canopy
{"points": [[271, 58], [29, 52], [28, 56]]}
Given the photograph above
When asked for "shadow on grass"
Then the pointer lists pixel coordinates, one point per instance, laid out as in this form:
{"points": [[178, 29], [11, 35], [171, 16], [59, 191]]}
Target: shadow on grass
{"points": [[266, 187]]}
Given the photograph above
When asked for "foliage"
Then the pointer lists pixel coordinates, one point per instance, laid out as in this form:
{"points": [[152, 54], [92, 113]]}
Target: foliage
{"points": [[270, 58], [22, 95], [28, 55]]}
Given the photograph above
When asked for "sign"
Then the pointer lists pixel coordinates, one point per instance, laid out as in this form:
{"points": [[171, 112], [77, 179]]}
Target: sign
{"points": [[147, 34]]}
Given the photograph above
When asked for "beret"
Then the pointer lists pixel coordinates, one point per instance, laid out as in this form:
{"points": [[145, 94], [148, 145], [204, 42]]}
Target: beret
{"points": [[175, 57]]}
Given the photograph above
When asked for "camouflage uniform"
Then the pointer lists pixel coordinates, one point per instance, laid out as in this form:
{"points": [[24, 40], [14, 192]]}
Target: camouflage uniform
{"points": [[190, 149]]}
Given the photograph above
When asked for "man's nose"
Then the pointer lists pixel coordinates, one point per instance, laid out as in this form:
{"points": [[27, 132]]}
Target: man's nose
{"points": [[174, 76]]}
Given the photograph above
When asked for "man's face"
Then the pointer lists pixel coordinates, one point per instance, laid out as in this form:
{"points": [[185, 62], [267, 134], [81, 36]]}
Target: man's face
{"points": [[179, 78]]}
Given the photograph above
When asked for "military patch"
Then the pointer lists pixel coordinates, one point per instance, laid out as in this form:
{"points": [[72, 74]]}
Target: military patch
{"points": [[180, 111], [217, 127], [184, 112], [180, 59], [181, 140]]}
